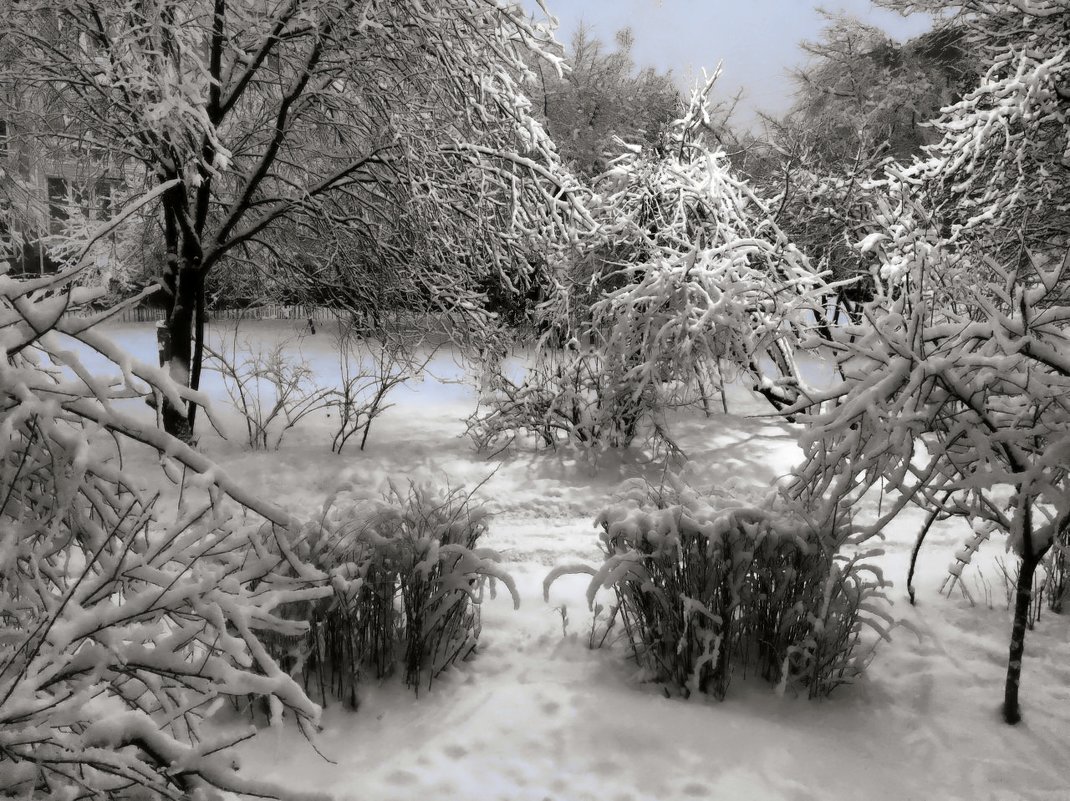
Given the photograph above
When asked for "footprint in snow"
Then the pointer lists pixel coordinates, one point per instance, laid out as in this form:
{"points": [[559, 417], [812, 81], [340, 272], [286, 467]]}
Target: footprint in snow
{"points": [[455, 751], [402, 777]]}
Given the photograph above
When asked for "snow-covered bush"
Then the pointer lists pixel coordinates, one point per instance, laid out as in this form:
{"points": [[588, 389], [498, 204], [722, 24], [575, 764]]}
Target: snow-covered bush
{"points": [[123, 626], [410, 576], [570, 397], [705, 585], [686, 272]]}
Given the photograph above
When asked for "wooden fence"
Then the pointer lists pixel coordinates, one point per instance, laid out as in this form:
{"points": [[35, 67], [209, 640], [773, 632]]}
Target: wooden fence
{"points": [[399, 322], [270, 311]]}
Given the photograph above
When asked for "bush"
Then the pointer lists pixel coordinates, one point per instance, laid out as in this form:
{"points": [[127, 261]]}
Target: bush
{"points": [[1050, 584], [1057, 566], [371, 368], [271, 390], [570, 398], [705, 585], [410, 579]]}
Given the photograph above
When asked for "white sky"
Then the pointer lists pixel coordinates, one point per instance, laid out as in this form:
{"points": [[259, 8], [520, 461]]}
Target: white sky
{"points": [[757, 40]]}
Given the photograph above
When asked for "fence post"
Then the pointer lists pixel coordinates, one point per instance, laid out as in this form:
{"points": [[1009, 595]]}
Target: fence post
{"points": [[163, 342]]}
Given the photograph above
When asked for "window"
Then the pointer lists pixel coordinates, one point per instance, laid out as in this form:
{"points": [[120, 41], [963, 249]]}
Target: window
{"points": [[58, 204], [105, 195], [67, 200]]}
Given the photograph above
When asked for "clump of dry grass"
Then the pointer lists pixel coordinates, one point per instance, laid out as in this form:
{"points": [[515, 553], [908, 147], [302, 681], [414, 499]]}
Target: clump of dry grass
{"points": [[409, 579], [705, 585]]}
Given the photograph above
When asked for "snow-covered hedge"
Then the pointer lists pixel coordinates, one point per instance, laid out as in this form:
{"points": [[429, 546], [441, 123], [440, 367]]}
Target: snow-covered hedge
{"points": [[409, 578], [706, 585]]}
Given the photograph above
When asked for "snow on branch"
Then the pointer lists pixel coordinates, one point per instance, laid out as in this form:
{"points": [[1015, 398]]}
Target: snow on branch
{"points": [[121, 631]]}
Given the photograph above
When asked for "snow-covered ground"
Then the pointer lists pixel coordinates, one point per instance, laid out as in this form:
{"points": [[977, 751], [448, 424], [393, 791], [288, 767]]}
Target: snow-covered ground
{"points": [[537, 714]]}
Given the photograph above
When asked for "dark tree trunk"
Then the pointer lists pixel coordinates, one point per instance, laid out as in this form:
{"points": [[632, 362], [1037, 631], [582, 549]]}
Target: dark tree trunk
{"points": [[1023, 597], [186, 301], [198, 343]]}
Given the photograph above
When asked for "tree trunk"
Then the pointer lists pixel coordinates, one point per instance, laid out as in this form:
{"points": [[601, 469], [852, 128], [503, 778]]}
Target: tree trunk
{"points": [[1012, 712], [198, 346], [180, 321]]}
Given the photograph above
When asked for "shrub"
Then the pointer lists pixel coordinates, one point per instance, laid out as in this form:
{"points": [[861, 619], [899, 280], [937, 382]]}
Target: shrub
{"points": [[269, 389], [570, 398], [409, 580], [1058, 570], [371, 368], [1050, 585], [705, 585]]}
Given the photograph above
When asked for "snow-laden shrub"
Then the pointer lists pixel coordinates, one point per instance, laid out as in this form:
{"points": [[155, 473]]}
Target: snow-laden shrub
{"points": [[706, 585], [410, 576], [122, 628], [570, 398], [686, 273]]}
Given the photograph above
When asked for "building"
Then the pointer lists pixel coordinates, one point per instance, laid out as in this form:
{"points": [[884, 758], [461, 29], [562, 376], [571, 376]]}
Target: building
{"points": [[54, 183]]}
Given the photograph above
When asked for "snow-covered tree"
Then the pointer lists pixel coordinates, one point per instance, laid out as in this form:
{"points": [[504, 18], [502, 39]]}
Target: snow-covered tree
{"points": [[861, 99], [954, 398], [1003, 164], [256, 114], [954, 385], [999, 170], [862, 90], [603, 97], [698, 273], [123, 621], [686, 274]]}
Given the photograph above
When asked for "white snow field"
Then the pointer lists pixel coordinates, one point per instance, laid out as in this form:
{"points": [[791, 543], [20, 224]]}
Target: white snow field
{"points": [[536, 714]]}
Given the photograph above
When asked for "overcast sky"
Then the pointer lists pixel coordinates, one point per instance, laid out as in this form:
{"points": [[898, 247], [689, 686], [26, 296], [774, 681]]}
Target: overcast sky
{"points": [[757, 40]]}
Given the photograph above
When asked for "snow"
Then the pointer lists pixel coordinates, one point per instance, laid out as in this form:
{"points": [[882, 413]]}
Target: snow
{"points": [[537, 714]]}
